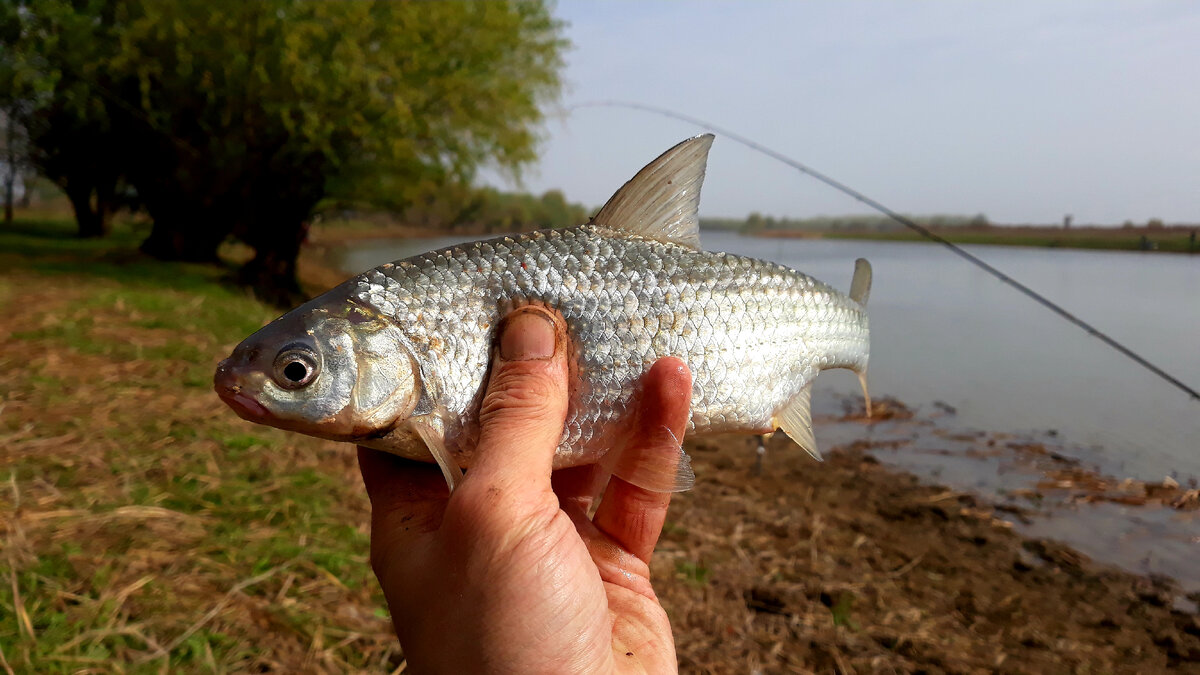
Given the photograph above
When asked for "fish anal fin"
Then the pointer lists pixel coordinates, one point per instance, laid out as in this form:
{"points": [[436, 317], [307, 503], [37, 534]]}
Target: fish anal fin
{"points": [[655, 464], [860, 285], [795, 419], [661, 202], [430, 429]]}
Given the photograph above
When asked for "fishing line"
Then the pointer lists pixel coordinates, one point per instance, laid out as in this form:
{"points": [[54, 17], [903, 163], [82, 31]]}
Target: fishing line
{"points": [[907, 222]]}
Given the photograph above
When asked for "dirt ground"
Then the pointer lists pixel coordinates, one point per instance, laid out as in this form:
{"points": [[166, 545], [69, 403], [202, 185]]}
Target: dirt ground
{"points": [[847, 566]]}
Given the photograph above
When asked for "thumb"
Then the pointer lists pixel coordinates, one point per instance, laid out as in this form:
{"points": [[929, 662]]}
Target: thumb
{"points": [[523, 411]]}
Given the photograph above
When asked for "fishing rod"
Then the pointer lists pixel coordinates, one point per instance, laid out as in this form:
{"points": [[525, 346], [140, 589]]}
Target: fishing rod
{"points": [[907, 222]]}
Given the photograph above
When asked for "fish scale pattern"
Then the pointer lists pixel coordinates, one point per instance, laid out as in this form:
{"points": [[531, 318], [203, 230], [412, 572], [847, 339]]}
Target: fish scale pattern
{"points": [[753, 333]]}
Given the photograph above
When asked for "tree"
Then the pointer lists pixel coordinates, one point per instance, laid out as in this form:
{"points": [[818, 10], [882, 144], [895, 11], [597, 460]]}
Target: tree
{"points": [[53, 58], [236, 118]]}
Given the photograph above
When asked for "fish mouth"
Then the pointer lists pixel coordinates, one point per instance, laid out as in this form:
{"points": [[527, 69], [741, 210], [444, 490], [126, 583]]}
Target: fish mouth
{"points": [[246, 407], [229, 388]]}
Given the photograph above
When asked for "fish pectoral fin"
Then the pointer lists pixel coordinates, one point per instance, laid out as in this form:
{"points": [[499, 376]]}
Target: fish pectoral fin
{"points": [[661, 202], [657, 464], [430, 429], [796, 421]]}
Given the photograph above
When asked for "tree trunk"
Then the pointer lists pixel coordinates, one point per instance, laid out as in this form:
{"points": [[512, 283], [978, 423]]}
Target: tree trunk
{"points": [[93, 222], [271, 273], [10, 164], [8, 196], [27, 196], [182, 238]]}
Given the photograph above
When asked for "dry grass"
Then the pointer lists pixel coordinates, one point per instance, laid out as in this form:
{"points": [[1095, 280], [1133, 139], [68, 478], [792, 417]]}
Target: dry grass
{"points": [[144, 528]]}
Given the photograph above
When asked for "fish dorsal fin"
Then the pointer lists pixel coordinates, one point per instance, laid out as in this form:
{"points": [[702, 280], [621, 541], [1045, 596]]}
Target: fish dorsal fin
{"points": [[860, 286], [796, 421], [662, 200]]}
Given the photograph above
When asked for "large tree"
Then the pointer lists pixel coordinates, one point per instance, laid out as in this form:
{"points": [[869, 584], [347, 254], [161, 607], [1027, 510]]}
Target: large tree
{"points": [[236, 118]]}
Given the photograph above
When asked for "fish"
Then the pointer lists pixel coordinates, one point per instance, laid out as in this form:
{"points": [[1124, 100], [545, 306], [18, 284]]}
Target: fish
{"points": [[397, 358]]}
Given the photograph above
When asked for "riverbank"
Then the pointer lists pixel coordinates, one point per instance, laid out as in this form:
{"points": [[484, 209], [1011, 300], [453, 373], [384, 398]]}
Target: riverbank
{"points": [[1167, 240], [146, 527], [849, 566]]}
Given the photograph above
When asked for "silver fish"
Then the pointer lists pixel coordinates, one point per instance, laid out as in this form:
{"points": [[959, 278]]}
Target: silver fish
{"points": [[396, 358]]}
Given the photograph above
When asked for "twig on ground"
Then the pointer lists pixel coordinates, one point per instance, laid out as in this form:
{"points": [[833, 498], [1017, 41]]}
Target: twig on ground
{"points": [[4, 662]]}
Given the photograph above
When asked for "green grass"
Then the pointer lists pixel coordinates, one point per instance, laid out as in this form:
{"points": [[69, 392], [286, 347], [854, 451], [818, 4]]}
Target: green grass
{"points": [[147, 527], [693, 574]]}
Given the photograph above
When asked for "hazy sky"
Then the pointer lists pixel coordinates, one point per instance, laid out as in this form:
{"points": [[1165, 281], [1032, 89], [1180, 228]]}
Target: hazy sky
{"points": [[1023, 111]]}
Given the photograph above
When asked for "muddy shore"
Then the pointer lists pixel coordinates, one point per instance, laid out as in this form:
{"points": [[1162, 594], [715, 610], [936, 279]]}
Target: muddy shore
{"points": [[849, 566]]}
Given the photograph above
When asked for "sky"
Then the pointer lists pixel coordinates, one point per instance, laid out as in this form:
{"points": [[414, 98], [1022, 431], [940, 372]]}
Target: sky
{"points": [[1023, 111]]}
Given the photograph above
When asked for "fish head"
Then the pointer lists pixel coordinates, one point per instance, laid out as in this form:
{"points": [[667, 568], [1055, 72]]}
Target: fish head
{"points": [[340, 372]]}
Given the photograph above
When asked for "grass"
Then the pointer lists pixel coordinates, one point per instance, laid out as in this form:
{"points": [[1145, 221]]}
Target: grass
{"points": [[145, 528]]}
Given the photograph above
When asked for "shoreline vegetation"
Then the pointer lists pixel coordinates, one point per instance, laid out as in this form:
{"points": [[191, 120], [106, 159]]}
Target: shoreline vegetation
{"points": [[147, 528], [1166, 240], [1144, 238], [1154, 235]]}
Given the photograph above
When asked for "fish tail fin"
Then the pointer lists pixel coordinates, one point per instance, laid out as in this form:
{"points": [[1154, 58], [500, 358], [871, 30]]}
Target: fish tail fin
{"points": [[860, 286], [860, 290]]}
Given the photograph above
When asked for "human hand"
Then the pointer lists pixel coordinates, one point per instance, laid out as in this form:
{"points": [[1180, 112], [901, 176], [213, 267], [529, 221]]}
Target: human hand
{"points": [[508, 575]]}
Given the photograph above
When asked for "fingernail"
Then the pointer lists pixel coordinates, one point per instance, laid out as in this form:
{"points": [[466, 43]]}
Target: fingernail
{"points": [[527, 335]]}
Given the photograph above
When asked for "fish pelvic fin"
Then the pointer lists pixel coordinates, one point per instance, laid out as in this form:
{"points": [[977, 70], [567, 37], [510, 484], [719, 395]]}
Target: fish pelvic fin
{"points": [[430, 429], [661, 202], [860, 287], [795, 419]]}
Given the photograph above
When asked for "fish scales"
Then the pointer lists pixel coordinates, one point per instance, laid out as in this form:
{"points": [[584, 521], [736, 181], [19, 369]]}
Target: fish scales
{"points": [[752, 332]]}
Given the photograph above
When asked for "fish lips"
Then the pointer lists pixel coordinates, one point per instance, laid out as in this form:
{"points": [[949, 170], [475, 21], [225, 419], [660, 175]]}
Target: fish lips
{"points": [[229, 388]]}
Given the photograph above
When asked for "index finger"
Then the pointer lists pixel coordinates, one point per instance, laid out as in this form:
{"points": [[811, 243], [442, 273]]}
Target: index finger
{"points": [[632, 516]]}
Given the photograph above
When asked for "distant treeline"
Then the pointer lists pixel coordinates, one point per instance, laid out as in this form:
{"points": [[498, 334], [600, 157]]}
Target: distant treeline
{"points": [[465, 208], [756, 222]]}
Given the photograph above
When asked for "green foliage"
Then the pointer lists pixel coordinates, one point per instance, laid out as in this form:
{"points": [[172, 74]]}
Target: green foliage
{"points": [[59, 52], [489, 210], [234, 117]]}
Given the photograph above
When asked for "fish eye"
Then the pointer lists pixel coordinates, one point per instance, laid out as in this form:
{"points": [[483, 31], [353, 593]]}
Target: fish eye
{"points": [[295, 368]]}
